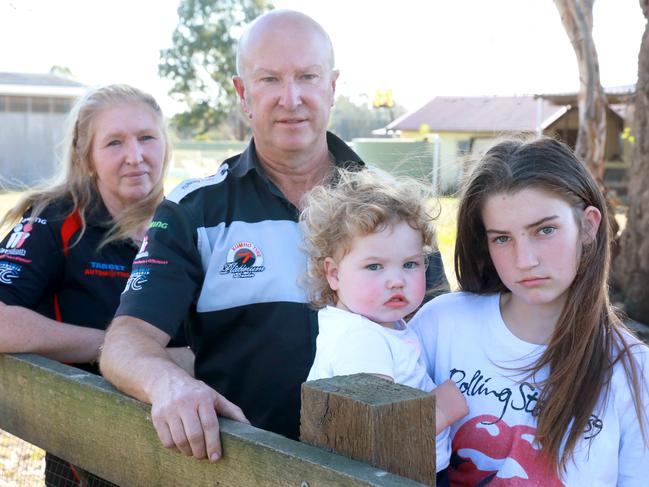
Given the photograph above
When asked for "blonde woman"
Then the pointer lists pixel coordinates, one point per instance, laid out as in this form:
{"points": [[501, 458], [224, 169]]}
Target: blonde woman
{"points": [[68, 253]]}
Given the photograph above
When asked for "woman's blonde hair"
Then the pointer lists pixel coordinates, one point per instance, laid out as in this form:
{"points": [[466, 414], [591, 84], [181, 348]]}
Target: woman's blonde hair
{"points": [[356, 204], [75, 180]]}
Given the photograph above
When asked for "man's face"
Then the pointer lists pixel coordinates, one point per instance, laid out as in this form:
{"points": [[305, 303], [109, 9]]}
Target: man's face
{"points": [[287, 88]]}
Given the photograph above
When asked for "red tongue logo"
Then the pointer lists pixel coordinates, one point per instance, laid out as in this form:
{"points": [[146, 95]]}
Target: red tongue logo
{"points": [[487, 451]]}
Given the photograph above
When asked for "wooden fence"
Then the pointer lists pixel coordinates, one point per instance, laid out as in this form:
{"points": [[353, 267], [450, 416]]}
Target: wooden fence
{"points": [[83, 419]]}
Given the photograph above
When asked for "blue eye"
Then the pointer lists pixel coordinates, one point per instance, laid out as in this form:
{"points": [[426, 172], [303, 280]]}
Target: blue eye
{"points": [[411, 265], [113, 143], [501, 239], [373, 267], [547, 230]]}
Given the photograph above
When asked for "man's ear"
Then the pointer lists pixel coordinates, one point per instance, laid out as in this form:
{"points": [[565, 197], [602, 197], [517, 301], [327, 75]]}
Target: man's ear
{"points": [[334, 77], [331, 273], [239, 86], [591, 218]]}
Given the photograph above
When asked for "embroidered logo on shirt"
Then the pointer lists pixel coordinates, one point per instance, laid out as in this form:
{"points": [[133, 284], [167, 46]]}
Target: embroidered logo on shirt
{"points": [[20, 233], [143, 252], [8, 272], [136, 279], [102, 269], [159, 224], [244, 261]]}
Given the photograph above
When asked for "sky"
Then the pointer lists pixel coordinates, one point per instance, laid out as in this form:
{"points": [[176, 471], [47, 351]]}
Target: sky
{"points": [[418, 48]]}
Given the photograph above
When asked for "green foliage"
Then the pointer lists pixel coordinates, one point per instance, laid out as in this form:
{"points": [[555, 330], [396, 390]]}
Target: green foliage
{"points": [[62, 71], [350, 119], [202, 60], [628, 136]]}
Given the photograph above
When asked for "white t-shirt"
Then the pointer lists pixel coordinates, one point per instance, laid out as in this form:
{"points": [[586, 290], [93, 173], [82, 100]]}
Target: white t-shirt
{"points": [[349, 343], [464, 338]]}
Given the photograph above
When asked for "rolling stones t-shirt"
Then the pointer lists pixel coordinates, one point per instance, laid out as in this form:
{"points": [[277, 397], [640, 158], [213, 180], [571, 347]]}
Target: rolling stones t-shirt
{"points": [[464, 338]]}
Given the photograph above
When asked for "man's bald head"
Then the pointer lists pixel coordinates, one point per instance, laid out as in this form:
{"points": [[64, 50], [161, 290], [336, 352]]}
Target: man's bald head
{"points": [[281, 22]]}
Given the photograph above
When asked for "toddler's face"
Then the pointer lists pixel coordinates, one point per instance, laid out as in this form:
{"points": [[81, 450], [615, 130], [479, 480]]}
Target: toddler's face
{"points": [[383, 277]]}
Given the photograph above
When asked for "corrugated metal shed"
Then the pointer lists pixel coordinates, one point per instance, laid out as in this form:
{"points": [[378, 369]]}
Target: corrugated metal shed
{"points": [[33, 113]]}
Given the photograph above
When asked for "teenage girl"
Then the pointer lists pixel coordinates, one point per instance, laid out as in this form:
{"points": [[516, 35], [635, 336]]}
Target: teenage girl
{"points": [[556, 385]]}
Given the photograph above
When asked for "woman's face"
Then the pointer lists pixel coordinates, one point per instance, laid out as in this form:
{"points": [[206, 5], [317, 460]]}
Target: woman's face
{"points": [[127, 154]]}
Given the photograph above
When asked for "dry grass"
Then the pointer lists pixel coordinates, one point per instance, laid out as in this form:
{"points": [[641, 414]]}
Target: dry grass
{"points": [[21, 464], [7, 200], [446, 233]]}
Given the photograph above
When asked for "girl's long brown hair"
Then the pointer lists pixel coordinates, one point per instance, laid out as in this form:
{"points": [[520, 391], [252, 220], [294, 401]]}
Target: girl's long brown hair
{"points": [[589, 338]]}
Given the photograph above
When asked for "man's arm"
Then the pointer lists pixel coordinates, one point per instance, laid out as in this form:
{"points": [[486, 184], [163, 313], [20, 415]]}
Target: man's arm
{"points": [[436, 281], [183, 409], [183, 358], [25, 331]]}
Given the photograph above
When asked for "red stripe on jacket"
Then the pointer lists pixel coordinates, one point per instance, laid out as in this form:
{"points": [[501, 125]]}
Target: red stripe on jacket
{"points": [[71, 225]]}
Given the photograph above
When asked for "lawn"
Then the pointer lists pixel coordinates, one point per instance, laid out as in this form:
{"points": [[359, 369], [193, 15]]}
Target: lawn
{"points": [[446, 232], [7, 200]]}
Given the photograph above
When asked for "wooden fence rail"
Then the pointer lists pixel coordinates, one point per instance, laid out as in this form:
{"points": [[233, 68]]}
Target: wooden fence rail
{"points": [[83, 419]]}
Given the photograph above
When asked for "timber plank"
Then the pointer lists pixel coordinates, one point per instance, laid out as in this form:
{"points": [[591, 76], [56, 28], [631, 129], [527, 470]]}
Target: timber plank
{"points": [[83, 419]]}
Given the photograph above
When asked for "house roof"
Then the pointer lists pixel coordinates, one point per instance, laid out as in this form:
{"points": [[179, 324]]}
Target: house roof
{"points": [[481, 114], [615, 95], [621, 109], [39, 84]]}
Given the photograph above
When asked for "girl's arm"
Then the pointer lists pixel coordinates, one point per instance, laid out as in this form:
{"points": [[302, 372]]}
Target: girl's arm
{"points": [[25, 331]]}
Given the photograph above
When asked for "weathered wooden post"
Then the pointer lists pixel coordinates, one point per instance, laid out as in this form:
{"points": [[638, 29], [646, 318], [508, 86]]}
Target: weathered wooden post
{"points": [[390, 426]]}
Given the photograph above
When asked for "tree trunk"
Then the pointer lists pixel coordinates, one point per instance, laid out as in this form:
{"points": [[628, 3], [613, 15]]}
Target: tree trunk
{"points": [[577, 18], [631, 269]]}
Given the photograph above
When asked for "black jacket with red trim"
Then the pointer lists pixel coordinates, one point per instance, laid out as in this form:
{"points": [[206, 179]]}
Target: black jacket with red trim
{"points": [[44, 266]]}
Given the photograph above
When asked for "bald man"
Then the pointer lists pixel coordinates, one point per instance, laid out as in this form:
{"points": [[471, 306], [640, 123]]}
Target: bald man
{"points": [[223, 254]]}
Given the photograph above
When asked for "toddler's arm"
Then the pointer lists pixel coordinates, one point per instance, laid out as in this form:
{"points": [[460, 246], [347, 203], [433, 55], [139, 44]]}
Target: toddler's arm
{"points": [[450, 406]]}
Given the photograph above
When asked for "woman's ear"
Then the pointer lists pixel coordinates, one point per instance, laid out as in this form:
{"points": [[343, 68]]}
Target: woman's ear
{"points": [[331, 273], [591, 218]]}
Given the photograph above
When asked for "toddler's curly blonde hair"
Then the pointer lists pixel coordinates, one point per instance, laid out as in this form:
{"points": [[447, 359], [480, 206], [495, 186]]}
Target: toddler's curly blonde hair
{"points": [[356, 204]]}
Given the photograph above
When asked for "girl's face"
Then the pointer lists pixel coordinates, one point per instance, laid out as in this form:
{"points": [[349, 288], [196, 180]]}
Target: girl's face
{"points": [[535, 242], [383, 277], [128, 150]]}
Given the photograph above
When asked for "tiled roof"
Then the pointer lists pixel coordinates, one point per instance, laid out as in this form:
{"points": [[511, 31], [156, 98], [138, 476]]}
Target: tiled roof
{"points": [[479, 114], [36, 84], [614, 95], [36, 79]]}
